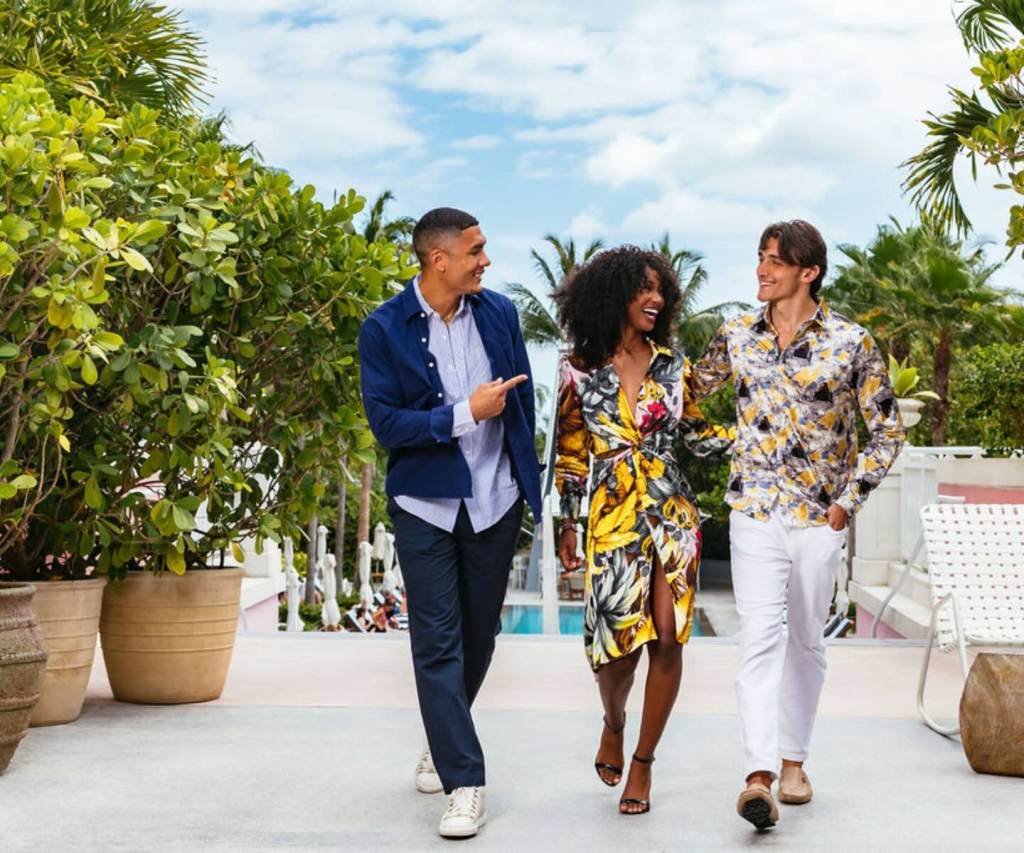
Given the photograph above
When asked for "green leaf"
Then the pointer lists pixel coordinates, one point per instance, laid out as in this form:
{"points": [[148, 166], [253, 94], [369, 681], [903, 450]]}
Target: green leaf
{"points": [[75, 217], [108, 340], [7, 491], [175, 560], [136, 260], [9, 351], [93, 496], [237, 552], [89, 374], [24, 482], [183, 519], [148, 231]]}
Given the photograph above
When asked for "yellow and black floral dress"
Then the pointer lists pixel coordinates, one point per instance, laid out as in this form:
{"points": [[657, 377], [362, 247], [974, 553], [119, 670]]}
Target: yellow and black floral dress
{"points": [[641, 506]]}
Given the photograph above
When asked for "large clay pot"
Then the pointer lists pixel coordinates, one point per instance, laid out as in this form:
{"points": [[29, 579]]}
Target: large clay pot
{"points": [[167, 639], [22, 663], [69, 615]]}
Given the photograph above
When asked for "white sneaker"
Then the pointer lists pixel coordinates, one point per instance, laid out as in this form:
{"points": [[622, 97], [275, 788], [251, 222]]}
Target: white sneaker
{"points": [[465, 813], [427, 780]]}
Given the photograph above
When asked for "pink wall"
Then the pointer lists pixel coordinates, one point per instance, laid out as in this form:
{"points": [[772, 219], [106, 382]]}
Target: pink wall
{"points": [[984, 494], [260, 617], [864, 622]]}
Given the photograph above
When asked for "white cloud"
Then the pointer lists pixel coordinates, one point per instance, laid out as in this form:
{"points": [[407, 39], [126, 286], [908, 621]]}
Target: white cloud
{"points": [[685, 212], [480, 142], [709, 119], [537, 164], [588, 225]]}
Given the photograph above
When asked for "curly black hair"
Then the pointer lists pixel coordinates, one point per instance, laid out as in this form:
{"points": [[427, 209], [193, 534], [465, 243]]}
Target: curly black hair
{"points": [[593, 302]]}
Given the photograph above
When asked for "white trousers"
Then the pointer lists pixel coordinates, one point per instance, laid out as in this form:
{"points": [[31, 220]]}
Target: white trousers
{"points": [[780, 571]]}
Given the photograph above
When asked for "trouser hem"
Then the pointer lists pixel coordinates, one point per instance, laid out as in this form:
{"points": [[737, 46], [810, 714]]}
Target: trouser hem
{"points": [[465, 782]]}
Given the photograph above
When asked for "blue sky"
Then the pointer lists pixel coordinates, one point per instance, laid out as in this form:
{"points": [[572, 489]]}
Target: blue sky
{"points": [[613, 120]]}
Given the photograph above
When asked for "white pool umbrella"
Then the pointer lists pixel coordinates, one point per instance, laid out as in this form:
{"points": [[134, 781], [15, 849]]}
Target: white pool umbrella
{"points": [[365, 590], [291, 582]]}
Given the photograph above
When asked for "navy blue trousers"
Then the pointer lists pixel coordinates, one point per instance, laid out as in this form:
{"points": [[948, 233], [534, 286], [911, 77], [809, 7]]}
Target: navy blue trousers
{"points": [[455, 585]]}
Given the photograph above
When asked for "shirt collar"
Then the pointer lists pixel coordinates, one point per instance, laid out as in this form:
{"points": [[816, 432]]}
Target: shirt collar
{"points": [[425, 306], [821, 317], [657, 349]]}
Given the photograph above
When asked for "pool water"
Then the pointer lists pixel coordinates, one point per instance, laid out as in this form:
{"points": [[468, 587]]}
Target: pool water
{"points": [[528, 619]]}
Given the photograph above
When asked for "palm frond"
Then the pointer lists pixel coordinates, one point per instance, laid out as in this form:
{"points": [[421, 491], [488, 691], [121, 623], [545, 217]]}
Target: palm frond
{"points": [[983, 24], [593, 247], [544, 268], [930, 180], [538, 325]]}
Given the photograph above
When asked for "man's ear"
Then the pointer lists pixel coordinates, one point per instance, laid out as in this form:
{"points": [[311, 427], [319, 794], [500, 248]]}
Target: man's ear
{"points": [[437, 257], [808, 274]]}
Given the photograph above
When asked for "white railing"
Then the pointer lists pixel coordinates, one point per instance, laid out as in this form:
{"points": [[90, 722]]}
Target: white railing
{"points": [[920, 486]]}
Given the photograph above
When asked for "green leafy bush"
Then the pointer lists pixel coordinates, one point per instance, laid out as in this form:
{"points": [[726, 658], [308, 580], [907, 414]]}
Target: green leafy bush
{"points": [[989, 406], [179, 339]]}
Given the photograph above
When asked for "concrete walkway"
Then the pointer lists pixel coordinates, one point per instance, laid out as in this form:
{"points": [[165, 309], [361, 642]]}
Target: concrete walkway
{"points": [[313, 743]]}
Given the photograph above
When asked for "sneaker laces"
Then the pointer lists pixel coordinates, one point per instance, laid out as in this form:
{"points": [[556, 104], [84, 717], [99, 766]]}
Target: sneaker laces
{"points": [[464, 802], [426, 763]]}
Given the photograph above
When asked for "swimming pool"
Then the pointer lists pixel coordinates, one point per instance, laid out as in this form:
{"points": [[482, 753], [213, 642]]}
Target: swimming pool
{"points": [[528, 619]]}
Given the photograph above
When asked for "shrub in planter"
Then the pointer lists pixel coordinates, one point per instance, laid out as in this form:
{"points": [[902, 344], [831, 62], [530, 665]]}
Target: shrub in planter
{"points": [[229, 388]]}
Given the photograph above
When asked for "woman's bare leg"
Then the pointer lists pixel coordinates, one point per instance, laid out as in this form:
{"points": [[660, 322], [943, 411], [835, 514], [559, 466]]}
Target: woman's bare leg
{"points": [[614, 681], [665, 671]]}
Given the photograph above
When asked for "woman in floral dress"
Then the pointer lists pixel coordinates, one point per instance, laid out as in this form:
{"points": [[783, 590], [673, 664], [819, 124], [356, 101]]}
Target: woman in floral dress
{"points": [[622, 403]]}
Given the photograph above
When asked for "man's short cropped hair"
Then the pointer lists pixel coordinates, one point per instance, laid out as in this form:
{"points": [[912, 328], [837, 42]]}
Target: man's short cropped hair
{"points": [[800, 244], [438, 223]]}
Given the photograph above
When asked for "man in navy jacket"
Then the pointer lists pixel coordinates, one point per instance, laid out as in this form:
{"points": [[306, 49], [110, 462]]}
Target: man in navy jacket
{"points": [[447, 390]]}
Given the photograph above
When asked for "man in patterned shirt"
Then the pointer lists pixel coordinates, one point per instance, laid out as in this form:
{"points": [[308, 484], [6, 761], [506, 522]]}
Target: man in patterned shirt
{"points": [[801, 374]]}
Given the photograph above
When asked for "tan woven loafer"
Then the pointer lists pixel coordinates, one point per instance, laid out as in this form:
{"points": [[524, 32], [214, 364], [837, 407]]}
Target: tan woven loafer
{"points": [[794, 786], [756, 805]]}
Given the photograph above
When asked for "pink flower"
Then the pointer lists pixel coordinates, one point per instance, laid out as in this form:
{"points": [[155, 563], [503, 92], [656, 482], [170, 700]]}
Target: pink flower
{"points": [[656, 412]]}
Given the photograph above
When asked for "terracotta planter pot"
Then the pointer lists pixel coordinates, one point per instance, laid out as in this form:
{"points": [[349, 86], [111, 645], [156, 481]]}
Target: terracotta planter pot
{"points": [[22, 663], [69, 615], [168, 639]]}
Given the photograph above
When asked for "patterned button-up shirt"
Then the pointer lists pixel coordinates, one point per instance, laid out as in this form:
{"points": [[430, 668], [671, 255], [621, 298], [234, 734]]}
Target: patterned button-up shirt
{"points": [[796, 409]]}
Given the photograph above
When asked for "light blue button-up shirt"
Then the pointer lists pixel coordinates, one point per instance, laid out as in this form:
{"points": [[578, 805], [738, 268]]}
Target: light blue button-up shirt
{"points": [[458, 355]]}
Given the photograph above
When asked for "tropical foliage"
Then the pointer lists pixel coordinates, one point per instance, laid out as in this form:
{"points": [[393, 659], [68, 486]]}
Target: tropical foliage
{"points": [[116, 52], [985, 125], [538, 323], [918, 286], [990, 405], [179, 338]]}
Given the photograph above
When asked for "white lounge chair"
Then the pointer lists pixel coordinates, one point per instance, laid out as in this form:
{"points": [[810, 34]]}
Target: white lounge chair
{"points": [[976, 566]]}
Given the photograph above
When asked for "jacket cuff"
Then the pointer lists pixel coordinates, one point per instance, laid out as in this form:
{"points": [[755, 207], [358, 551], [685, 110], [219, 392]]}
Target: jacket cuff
{"points": [[441, 423]]}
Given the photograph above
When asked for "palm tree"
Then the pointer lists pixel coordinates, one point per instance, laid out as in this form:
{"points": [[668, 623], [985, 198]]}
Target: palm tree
{"points": [[695, 326], [396, 231], [918, 284], [538, 323], [118, 52], [984, 26]]}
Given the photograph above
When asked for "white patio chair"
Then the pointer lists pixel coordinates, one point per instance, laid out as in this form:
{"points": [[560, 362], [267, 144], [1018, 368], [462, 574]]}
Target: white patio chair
{"points": [[976, 566]]}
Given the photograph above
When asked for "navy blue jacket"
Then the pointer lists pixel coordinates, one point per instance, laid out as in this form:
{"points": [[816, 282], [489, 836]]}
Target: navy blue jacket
{"points": [[405, 409]]}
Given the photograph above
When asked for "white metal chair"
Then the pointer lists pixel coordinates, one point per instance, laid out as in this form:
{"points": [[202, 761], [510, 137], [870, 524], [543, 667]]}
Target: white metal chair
{"points": [[976, 566]]}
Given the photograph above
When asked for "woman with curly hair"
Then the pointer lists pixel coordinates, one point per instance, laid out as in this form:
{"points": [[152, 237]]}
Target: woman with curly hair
{"points": [[622, 402]]}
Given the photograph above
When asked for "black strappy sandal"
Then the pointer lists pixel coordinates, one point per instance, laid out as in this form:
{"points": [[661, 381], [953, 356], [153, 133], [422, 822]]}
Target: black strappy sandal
{"points": [[630, 801], [600, 765]]}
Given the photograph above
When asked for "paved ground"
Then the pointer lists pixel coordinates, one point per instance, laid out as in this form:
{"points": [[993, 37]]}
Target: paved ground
{"points": [[312, 747], [213, 778]]}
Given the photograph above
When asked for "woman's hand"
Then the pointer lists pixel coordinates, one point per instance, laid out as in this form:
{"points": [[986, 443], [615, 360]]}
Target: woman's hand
{"points": [[567, 550]]}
